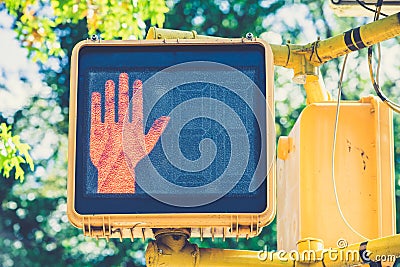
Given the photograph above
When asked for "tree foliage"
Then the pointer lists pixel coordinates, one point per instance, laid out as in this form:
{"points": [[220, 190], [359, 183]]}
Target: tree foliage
{"points": [[13, 153], [39, 21]]}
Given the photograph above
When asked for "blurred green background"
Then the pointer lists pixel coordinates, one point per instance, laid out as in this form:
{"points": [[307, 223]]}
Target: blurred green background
{"points": [[36, 41]]}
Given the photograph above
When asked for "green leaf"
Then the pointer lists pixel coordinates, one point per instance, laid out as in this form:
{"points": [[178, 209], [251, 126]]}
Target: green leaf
{"points": [[13, 153]]}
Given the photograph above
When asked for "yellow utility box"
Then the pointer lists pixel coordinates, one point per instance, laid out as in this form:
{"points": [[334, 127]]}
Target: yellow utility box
{"points": [[363, 172]]}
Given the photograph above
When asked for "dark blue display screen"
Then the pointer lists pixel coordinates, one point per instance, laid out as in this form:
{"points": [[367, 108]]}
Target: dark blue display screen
{"points": [[160, 127]]}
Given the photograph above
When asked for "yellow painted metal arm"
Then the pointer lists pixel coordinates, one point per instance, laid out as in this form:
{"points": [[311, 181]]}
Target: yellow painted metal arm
{"points": [[211, 257], [284, 55], [280, 52], [173, 249], [157, 33], [305, 59], [385, 250], [358, 38], [316, 53]]}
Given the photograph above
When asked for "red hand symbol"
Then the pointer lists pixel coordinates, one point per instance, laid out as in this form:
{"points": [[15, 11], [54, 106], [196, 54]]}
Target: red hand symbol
{"points": [[106, 149]]}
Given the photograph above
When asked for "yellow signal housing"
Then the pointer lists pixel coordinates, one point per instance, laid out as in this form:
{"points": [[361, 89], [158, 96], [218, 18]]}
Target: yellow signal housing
{"points": [[363, 173], [116, 224]]}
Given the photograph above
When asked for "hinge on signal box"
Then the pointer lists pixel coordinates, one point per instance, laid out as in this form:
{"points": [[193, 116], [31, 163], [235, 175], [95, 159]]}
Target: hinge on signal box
{"points": [[95, 230], [105, 228]]}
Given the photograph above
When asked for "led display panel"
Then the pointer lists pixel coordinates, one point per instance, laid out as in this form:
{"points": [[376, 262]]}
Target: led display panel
{"points": [[159, 128]]}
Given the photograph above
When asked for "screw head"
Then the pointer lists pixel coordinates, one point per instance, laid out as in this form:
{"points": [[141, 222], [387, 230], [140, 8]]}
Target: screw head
{"points": [[249, 36], [94, 38]]}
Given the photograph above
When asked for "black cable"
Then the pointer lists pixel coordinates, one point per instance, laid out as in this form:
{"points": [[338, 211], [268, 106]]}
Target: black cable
{"points": [[361, 3], [375, 82], [379, 93]]}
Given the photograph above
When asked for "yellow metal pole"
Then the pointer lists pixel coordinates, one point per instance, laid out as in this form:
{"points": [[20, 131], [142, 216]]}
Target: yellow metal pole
{"points": [[354, 39], [211, 257], [172, 248], [317, 52], [305, 59], [315, 90], [157, 33], [280, 51], [385, 250], [284, 55]]}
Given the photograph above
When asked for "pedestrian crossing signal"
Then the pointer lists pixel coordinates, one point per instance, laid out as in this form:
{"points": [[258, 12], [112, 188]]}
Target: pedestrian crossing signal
{"points": [[171, 134]]}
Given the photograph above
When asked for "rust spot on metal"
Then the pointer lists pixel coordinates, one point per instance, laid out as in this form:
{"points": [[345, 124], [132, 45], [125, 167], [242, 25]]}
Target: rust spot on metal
{"points": [[348, 145]]}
